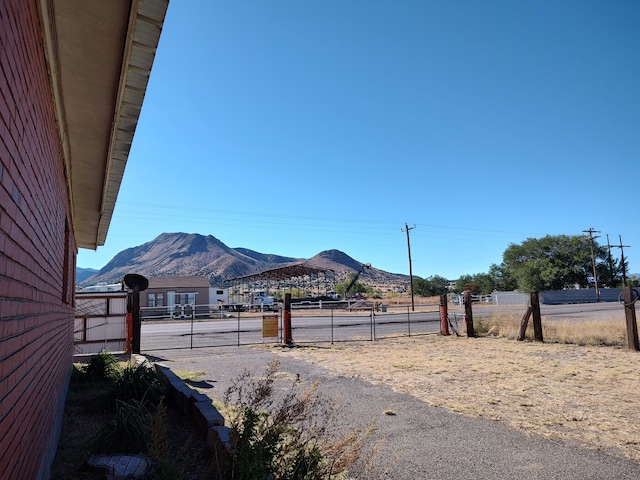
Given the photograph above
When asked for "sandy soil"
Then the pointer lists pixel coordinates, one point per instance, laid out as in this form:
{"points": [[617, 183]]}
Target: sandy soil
{"points": [[584, 394]]}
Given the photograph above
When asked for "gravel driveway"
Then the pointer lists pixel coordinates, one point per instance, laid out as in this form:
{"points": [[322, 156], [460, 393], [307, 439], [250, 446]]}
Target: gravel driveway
{"points": [[419, 441]]}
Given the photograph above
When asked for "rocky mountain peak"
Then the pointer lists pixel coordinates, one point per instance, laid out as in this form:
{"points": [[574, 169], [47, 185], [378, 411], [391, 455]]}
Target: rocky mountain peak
{"points": [[194, 254]]}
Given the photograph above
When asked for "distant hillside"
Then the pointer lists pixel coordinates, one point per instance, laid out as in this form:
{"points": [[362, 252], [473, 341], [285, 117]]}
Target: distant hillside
{"points": [[83, 273], [194, 254]]}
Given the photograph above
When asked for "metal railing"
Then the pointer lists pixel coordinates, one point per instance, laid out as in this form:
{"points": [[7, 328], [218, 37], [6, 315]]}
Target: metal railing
{"points": [[328, 325]]}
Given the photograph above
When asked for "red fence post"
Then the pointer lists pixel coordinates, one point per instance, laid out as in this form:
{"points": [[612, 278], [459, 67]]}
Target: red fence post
{"points": [[128, 343], [286, 320], [444, 315]]}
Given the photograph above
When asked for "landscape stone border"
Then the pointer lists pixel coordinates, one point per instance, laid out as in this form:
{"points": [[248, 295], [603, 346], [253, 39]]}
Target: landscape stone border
{"points": [[209, 421]]}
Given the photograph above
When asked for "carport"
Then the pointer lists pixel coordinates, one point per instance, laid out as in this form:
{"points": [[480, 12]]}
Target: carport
{"points": [[307, 280]]}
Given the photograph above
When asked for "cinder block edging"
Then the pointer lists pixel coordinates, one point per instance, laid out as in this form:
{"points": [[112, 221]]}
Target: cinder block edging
{"points": [[209, 421]]}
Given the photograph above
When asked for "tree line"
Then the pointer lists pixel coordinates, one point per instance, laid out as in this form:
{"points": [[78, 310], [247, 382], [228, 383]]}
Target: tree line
{"points": [[554, 262]]}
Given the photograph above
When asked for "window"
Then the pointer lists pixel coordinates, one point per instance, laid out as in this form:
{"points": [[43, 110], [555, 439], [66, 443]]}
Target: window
{"points": [[160, 300], [186, 298], [151, 299]]}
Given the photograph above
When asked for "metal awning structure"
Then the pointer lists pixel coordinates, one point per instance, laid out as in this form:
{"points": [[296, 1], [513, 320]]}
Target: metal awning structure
{"points": [[283, 273], [307, 278]]}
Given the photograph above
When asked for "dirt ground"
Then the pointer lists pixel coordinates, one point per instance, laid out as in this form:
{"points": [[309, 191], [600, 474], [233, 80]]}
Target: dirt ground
{"points": [[583, 394]]}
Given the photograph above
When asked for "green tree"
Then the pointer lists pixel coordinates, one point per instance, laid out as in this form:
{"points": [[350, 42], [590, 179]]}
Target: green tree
{"points": [[610, 272], [358, 287], [551, 262], [486, 283], [502, 277], [478, 283], [429, 287], [465, 282]]}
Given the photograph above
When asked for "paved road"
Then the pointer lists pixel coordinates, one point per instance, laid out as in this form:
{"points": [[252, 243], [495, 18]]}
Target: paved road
{"points": [[420, 442]]}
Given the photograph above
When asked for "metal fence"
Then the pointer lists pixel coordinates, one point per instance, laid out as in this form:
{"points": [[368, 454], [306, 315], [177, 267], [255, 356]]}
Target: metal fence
{"points": [[308, 326]]}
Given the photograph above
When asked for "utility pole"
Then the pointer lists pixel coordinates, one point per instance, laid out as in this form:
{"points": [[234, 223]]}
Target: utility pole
{"points": [[406, 229], [624, 267], [610, 262], [591, 231]]}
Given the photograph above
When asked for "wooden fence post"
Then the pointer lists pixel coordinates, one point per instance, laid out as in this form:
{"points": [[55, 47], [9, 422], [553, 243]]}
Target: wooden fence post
{"points": [[524, 322], [537, 318], [444, 315], [468, 315], [630, 316]]}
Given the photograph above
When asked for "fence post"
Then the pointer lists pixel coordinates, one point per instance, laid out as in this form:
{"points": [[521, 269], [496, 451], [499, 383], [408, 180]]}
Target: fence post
{"points": [[331, 325], [135, 316], [193, 319], [238, 328], [630, 316], [537, 319], [409, 321], [373, 325], [468, 315], [286, 320], [444, 315], [524, 322]]}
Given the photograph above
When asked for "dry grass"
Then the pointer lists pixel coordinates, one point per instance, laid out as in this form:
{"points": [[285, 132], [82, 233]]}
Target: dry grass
{"points": [[587, 394], [600, 329]]}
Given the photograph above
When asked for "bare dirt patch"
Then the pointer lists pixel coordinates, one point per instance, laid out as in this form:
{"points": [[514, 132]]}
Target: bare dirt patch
{"points": [[88, 410], [583, 394]]}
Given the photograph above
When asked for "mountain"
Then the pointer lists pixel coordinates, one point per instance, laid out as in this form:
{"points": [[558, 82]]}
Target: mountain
{"points": [[83, 273], [194, 254], [344, 265]]}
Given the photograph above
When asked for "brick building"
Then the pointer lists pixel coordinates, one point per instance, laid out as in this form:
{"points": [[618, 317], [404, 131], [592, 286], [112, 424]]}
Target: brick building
{"points": [[73, 74]]}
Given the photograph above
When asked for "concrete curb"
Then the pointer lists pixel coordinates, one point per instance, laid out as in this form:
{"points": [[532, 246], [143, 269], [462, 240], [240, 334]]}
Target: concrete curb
{"points": [[209, 421]]}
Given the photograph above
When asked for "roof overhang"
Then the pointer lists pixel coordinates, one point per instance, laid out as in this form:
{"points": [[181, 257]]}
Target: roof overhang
{"points": [[99, 55]]}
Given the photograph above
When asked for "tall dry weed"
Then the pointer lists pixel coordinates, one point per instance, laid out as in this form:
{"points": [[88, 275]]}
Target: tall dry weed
{"points": [[287, 433], [606, 332]]}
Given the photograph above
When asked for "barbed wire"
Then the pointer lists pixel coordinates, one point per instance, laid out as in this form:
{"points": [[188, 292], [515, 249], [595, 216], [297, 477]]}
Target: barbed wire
{"points": [[634, 293]]}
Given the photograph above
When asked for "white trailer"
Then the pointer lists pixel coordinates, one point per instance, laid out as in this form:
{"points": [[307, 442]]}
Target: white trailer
{"points": [[218, 296]]}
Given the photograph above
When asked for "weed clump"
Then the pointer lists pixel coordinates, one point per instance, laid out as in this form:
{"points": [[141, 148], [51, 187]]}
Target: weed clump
{"points": [[135, 393], [102, 367], [140, 383], [286, 435]]}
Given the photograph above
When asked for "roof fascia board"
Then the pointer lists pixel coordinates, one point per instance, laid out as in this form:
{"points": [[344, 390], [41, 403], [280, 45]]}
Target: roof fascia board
{"points": [[146, 18]]}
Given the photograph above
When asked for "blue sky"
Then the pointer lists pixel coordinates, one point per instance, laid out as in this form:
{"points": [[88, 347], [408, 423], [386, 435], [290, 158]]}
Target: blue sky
{"points": [[292, 127]]}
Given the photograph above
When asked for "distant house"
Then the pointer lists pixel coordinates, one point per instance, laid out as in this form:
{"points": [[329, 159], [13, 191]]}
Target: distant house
{"points": [[73, 75], [175, 297]]}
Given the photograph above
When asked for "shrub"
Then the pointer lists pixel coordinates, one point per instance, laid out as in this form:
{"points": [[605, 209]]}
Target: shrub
{"points": [[101, 367], [129, 431], [285, 438], [140, 382]]}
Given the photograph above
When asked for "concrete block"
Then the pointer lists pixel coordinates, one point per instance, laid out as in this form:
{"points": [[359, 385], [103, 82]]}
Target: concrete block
{"points": [[199, 397], [181, 396], [206, 416], [219, 436]]}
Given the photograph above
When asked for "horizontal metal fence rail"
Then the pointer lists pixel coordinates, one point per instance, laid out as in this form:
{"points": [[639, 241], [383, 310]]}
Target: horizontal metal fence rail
{"points": [[247, 328]]}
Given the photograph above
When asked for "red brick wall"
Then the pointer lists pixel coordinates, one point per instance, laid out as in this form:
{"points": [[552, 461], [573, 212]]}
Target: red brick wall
{"points": [[36, 311]]}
